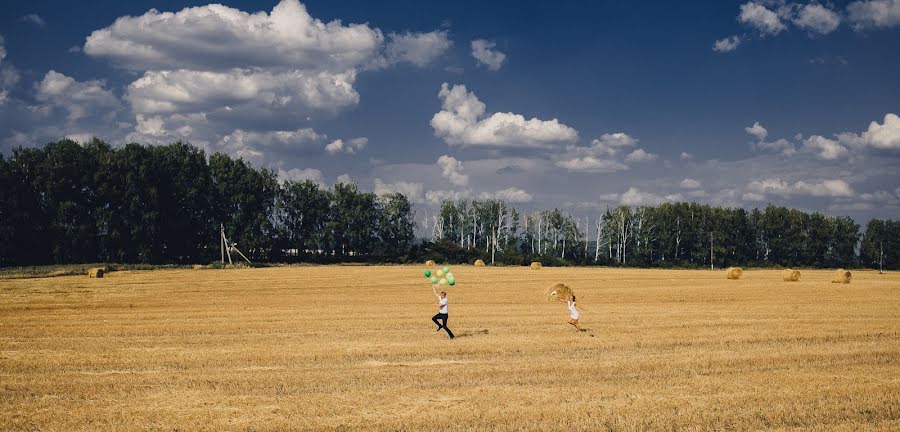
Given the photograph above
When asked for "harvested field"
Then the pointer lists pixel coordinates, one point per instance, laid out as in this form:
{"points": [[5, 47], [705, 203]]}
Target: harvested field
{"points": [[353, 348]]}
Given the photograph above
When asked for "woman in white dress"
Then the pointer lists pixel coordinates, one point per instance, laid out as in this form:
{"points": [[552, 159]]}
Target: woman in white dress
{"points": [[573, 312]]}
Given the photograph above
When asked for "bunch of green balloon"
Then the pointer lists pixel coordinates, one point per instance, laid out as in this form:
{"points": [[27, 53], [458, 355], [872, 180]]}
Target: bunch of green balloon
{"points": [[441, 277]]}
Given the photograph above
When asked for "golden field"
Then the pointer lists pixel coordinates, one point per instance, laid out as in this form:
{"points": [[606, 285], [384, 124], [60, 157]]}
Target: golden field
{"points": [[353, 348]]}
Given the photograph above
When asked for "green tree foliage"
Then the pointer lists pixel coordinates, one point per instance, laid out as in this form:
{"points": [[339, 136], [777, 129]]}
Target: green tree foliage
{"points": [[71, 203], [880, 246]]}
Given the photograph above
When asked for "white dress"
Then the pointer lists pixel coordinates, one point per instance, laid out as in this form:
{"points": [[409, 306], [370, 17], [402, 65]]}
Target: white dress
{"points": [[573, 312]]}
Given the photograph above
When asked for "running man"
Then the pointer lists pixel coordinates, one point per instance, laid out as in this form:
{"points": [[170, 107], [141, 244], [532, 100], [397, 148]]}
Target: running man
{"points": [[442, 311]]}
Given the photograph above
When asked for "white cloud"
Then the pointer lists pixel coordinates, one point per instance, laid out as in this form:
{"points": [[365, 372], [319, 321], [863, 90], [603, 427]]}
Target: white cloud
{"points": [[254, 145], [212, 69], [592, 164], [351, 146], [686, 156], [817, 18], [777, 186], [639, 155], [604, 154], [451, 169], [484, 52], [782, 145], [419, 49], [885, 135], [758, 131], [80, 99], [299, 175], [753, 196], [217, 37], [634, 197], [825, 188], [344, 178], [762, 19], [510, 195], [203, 91], [874, 14], [689, 183], [436, 197], [827, 149], [34, 19], [462, 121], [412, 191], [728, 44]]}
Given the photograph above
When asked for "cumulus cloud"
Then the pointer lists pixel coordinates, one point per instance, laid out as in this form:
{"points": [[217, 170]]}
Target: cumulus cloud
{"points": [[435, 197], [510, 195], [776, 186], [80, 99], [685, 156], [484, 52], [216, 37], [817, 19], [253, 90], [451, 169], [213, 69], [761, 18], [639, 155], [34, 19], [462, 121], [635, 197], [782, 145], [885, 135], [412, 191], [592, 164], [825, 148], [254, 145], [299, 175], [758, 131], [728, 44], [344, 178], [350, 146], [604, 154], [874, 14], [419, 49], [689, 183]]}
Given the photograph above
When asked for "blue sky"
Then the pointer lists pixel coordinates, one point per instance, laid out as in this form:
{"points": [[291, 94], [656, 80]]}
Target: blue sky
{"points": [[579, 105]]}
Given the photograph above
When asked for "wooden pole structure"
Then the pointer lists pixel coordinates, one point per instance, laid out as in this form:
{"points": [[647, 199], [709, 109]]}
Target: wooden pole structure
{"points": [[227, 246], [222, 241]]}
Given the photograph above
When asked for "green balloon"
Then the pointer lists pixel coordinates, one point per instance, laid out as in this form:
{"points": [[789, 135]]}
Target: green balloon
{"points": [[427, 273], [451, 282], [434, 279], [446, 269]]}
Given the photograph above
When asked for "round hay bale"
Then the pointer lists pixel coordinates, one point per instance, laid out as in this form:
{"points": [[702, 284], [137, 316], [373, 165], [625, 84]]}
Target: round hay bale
{"points": [[536, 265], [96, 272], [197, 266], [734, 273], [429, 263], [479, 263], [841, 276], [560, 291], [789, 275]]}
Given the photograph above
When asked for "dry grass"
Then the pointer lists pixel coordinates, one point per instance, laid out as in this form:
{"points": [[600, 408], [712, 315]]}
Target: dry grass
{"points": [[536, 265], [479, 263], [352, 348]]}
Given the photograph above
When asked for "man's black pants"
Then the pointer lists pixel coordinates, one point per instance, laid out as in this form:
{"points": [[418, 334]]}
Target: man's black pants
{"points": [[442, 317]]}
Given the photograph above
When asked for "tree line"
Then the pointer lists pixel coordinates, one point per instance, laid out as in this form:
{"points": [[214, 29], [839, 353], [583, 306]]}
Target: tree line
{"points": [[76, 203], [79, 203]]}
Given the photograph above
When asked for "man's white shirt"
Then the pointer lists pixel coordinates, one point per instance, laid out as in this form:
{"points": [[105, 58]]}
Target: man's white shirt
{"points": [[443, 302]]}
